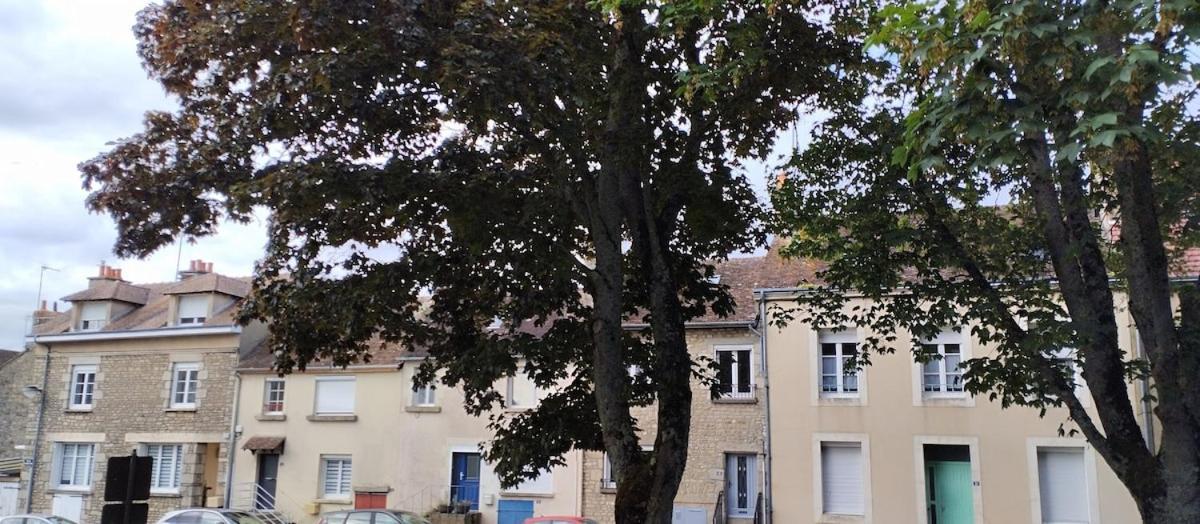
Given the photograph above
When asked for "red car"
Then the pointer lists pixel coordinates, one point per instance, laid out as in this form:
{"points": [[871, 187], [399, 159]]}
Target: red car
{"points": [[559, 520]]}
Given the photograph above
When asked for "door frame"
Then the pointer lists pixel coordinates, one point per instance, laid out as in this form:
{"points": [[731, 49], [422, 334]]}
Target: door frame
{"points": [[752, 482], [450, 472], [972, 444], [258, 466]]}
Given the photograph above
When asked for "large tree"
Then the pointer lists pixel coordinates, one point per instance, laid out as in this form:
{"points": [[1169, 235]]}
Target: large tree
{"points": [[1028, 168], [557, 166]]}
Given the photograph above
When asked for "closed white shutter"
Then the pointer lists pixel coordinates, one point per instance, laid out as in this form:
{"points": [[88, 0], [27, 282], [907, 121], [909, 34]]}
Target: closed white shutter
{"points": [[1062, 485], [842, 478], [93, 316], [542, 485], [193, 309], [335, 396]]}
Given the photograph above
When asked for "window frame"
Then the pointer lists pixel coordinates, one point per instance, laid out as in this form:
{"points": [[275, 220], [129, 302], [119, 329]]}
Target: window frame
{"points": [[335, 378], [839, 338], [59, 469], [176, 472], [344, 477], [736, 362], [93, 324], [181, 320], [193, 370], [424, 396], [1091, 482], [90, 387], [819, 441], [269, 392], [947, 337]]}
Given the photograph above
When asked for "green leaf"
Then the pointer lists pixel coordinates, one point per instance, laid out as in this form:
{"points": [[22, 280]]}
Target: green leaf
{"points": [[1095, 65], [1104, 138], [1068, 152], [1106, 119]]}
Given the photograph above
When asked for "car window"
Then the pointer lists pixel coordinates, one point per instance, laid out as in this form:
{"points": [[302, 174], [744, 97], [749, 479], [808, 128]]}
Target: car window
{"points": [[60, 520], [211, 517], [241, 517], [389, 518], [410, 518], [359, 517], [335, 517], [186, 517]]}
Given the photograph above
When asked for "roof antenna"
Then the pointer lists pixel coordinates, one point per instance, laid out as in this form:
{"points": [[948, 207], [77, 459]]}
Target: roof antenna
{"points": [[42, 277], [178, 257]]}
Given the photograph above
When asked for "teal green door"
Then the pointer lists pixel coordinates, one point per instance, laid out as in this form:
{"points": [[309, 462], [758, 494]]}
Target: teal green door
{"points": [[949, 493]]}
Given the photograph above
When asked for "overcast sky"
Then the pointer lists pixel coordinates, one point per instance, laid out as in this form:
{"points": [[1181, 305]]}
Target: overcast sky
{"points": [[72, 81]]}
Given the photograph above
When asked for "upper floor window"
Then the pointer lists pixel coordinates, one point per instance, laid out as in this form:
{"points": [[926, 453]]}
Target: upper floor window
{"points": [[838, 376], [520, 392], [734, 373], [83, 386], [93, 316], [334, 396], [943, 375], [424, 396], [273, 396], [193, 309], [185, 383], [73, 467]]}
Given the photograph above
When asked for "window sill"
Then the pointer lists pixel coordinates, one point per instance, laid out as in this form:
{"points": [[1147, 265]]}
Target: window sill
{"points": [[829, 518], [332, 418], [165, 494], [840, 401], [952, 401], [270, 418], [608, 490], [181, 409], [423, 409], [736, 400], [344, 502], [517, 494], [78, 410], [82, 490]]}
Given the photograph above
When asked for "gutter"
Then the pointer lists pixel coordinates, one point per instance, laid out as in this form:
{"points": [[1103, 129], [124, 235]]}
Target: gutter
{"points": [[761, 331], [231, 450], [37, 435], [713, 324], [89, 336]]}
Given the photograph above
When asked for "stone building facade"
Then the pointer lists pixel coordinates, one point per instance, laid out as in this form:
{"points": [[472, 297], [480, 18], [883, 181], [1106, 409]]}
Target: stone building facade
{"points": [[18, 370], [146, 368]]}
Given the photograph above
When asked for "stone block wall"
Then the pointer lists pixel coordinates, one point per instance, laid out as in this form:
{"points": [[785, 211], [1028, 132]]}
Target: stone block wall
{"points": [[718, 427], [131, 408]]}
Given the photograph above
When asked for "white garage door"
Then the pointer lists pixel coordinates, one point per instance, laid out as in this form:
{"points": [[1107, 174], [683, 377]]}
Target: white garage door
{"points": [[69, 507], [686, 515], [8, 498]]}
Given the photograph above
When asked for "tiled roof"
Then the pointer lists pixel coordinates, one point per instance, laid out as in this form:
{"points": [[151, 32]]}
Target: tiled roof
{"points": [[120, 290], [8, 355], [210, 283], [152, 314]]}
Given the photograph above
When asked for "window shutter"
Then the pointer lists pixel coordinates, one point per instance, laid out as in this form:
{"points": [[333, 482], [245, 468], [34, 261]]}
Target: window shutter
{"points": [[1062, 485], [725, 371], [331, 477], [743, 371], [842, 478], [335, 396], [193, 307]]}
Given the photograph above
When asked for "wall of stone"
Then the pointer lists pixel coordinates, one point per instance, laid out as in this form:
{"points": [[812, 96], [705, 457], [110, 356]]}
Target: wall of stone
{"points": [[15, 408], [718, 427], [132, 408]]}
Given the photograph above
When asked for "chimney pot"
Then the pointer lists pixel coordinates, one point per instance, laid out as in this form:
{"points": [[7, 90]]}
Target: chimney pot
{"points": [[117, 273], [43, 305], [208, 267]]}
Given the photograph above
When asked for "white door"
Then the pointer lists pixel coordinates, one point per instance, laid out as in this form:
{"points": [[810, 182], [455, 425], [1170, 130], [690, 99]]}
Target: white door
{"points": [[741, 485], [69, 507], [686, 515], [8, 498]]}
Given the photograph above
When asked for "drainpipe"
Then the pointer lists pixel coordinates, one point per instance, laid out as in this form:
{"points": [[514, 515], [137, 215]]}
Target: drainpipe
{"points": [[761, 331], [231, 451], [1147, 405], [37, 433]]}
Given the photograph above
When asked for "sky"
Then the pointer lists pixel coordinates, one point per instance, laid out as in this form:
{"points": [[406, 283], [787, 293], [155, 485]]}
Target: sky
{"points": [[73, 82]]}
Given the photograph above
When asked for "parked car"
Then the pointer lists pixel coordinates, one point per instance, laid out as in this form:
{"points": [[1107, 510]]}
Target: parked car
{"points": [[35, 519], [559, 520], [209, 516], [372, 516]]}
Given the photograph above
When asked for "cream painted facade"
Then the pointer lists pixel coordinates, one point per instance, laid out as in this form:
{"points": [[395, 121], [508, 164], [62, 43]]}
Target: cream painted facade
{"points": [[395, 447], [901, 433]]}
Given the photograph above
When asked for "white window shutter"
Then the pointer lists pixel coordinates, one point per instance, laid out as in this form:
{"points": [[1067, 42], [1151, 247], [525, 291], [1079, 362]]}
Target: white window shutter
{"points": [[1062, 485], [335, 396], [842, 478], [193, 306]]}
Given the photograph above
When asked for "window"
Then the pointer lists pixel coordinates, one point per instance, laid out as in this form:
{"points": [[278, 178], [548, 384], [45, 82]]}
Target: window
{"points": [[335, 396], [424, 396], [842, 478], [93, 316], [75, 465], [543, 484], [943, 375], [608, 478], [185, 382], [734, 378], [166, 468], [838, 377], [273, 396], [520, 392], [335, 477], [193, 309], [1062, 485], [83, 387]]}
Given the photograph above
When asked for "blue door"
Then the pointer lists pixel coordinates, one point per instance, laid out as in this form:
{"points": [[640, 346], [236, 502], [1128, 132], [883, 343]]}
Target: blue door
{"points": [[464, 478], [515, 511]]}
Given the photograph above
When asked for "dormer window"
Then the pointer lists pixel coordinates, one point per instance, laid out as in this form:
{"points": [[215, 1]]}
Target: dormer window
{"points": [[93, 316], [193, 309]]}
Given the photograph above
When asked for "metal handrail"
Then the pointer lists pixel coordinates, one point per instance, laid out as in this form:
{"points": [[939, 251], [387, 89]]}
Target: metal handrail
{"points": [[719, 512], [759, 517]]}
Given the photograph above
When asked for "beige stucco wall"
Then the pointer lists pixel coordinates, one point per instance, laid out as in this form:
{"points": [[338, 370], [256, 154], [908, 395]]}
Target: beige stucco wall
{"points": [[391, 446], [893, 422], [131, 408], [718, 427]]}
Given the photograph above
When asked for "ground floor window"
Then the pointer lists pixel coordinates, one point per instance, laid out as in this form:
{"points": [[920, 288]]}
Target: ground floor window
{"points": [[842, 478], [74, 464], [1062, 485], [167, 466], [335, 477]]}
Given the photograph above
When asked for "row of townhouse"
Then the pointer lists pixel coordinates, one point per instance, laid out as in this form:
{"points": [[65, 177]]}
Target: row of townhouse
{"points": [[793, 436]]}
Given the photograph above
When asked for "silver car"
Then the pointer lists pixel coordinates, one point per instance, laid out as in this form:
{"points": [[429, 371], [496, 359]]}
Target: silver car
{"points": [[372, 516], [209, 516], [35, 519]]}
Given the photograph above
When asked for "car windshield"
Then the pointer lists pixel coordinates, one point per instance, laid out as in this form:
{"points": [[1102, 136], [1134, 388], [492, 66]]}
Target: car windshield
{"points": [[409, 518], [243, 518]]}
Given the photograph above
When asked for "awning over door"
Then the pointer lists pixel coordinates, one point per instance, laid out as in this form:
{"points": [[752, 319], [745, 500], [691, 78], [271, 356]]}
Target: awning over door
{"points": [[262, 444]]}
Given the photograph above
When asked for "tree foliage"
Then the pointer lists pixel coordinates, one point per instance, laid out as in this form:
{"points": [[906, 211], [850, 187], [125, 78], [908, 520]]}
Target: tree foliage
{"points": [[1027, 169], [557, 166]]}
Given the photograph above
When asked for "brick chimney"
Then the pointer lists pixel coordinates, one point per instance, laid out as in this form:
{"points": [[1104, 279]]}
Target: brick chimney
{"points": [[106, 274], [196, 267]]}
